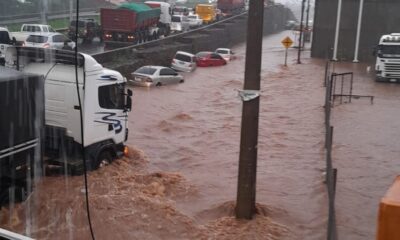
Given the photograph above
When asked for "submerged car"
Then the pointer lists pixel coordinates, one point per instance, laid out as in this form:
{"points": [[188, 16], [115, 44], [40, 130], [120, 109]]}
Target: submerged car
{"points": [[184, 61], [225, 53], [147, 76], [50, 40], [209, 59]]}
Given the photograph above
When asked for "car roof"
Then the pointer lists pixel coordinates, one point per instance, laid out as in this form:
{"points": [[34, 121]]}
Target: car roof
{"points": [[156, 67], [3, 29], [49, 34], [185, 53]]}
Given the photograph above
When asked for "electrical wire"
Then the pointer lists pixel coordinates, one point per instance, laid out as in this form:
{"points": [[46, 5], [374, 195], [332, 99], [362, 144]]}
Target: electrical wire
{"points": [[81, 120]]}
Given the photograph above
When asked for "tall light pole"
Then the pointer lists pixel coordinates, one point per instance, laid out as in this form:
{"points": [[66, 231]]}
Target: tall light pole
{"points": [[360, 12], [301, 31], [71, 10], [335, 46]]}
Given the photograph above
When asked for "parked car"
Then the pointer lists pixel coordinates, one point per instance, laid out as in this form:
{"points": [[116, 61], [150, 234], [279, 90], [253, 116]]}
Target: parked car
{"points": [[194, 20], [88, 29], [155, 76], [208, 59], [184, 61], [49, 40], [225, 53], [179, 23]]}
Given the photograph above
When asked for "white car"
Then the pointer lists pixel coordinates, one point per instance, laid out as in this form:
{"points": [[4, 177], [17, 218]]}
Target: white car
{"points": [[179, 23], [225, 53], [50, 40], [147, 76], [194, 20], [184, 61]]}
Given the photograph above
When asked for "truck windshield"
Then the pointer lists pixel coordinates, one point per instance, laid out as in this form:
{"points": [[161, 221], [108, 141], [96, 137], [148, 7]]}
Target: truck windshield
{"points": [[81, 24], [112, 96], [389, 51], [176, 19], [4, 37]]}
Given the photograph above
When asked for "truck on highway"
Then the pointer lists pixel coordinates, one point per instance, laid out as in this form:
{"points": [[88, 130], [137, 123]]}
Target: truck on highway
{"points": [[207, 12], [102, 112], [231, 7], [387, 67], [134, 22], [30, 29], [88, 29], [5, 41]]}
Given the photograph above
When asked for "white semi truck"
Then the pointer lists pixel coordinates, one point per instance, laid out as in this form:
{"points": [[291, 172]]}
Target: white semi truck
{"points": [[105, 104], [387, 67]]}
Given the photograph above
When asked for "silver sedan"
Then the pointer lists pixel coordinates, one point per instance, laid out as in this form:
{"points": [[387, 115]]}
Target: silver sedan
{"points": [[155, 76]]}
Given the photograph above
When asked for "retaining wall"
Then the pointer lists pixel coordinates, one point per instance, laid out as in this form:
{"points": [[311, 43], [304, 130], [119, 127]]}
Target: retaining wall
{"points": [[226, 33], [379, 17]]}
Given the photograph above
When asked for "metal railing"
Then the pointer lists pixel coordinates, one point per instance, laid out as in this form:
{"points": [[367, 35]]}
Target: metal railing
{"points": [[331, 173]]}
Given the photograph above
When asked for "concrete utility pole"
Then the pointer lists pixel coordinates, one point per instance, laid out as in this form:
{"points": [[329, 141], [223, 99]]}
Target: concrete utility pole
{"points": [[339, 14], [360, 12], [43, 11], [246, 193], [301, 31], [71, 10], [307, 20]]}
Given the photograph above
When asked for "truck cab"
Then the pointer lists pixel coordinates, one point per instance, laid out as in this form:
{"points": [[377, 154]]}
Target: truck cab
{"points": [[5, 42], [105, 103], [387, 67], [207, 12]]}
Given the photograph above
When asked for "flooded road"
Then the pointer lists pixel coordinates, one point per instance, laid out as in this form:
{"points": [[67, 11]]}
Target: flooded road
{"points": [[194, 128], [181, 177]]}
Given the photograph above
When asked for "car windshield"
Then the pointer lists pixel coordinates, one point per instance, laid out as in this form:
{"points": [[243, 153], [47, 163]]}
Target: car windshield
{"points": [[176, 19], [223, 51], [182, 57], [202, 54], [146, 70], [37, 39], [4, 37]]}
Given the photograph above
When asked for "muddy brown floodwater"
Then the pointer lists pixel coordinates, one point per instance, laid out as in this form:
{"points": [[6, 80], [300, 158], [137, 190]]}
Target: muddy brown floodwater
{"points": [[180, 179]]}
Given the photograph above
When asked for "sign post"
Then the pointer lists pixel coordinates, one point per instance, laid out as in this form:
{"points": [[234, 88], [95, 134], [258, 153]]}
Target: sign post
{"points": [[287, 43]]}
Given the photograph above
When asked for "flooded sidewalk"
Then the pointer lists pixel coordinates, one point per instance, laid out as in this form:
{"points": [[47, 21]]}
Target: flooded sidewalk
{"points": [[365, 151]]}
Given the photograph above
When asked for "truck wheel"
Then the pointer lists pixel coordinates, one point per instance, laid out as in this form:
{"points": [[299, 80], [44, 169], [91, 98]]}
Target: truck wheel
{"points": [[104, 159]]}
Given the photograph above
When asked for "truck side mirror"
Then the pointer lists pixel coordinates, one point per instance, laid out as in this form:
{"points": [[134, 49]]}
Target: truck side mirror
{"points": [[14, 41], [128, 105], [130, 93]]}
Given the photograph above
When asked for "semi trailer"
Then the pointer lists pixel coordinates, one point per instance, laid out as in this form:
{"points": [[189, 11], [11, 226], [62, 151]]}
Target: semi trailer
{"points": [[21, 131], [135, 22], [101, 112], [231, 7]]}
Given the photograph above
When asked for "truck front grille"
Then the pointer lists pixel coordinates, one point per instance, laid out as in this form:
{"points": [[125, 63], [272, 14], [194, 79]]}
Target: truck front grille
{"points": [[392, 69]]}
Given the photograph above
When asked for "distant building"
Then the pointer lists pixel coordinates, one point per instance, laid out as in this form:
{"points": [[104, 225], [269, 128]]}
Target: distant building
{"points": [[379, 17]]}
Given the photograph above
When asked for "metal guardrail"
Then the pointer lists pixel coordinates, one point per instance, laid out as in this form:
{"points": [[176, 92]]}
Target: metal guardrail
{"points": [[7, 235], [34, 15]]}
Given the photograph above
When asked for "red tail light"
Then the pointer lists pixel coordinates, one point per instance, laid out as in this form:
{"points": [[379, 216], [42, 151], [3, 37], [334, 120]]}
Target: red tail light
{"points": [[46, 45]]}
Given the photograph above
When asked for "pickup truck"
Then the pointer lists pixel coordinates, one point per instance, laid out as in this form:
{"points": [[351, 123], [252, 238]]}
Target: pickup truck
{"points": [[29, 29]]}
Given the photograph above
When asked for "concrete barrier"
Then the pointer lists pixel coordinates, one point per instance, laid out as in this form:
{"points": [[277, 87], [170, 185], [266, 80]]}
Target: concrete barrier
{"points": [[226, 33]]}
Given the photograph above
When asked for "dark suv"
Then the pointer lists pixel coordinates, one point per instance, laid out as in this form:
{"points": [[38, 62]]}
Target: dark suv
{"points": [[87, 30]]}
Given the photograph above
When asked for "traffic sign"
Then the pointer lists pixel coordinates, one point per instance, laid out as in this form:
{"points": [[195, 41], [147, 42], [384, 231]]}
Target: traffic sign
{"points": [[287, 42]]}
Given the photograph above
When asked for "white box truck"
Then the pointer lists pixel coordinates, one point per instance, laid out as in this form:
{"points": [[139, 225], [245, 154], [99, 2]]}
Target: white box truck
{"points": [[105, 104], [387, 67]]}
